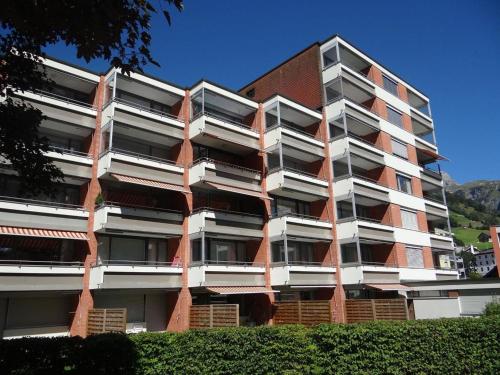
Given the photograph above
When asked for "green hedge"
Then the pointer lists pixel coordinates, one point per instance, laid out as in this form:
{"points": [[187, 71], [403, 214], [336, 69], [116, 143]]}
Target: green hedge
{"points": [[447, 346]]}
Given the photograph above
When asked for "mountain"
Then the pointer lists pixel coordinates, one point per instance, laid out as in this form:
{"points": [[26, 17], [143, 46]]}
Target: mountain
{"points": [[484, 192], [473, 206]]}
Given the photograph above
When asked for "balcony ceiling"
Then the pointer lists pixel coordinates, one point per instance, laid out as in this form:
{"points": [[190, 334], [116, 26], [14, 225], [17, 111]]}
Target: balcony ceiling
{"points": [[352, 60], [146, 91], [59, 127], [69, 80], [228, 105]]}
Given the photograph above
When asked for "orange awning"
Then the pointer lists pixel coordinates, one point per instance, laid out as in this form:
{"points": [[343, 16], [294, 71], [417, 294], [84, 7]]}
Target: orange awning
{"points": [[232, 189], [431, 154], [45, 233], [151, 183], [388, 287], [227, 290]]}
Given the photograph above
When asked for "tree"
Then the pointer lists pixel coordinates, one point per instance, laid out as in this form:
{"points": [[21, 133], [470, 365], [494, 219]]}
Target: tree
{"points": [[116, 30], [469, 263]]}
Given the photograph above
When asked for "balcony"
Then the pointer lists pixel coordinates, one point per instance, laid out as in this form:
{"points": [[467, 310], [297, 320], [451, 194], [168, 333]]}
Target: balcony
{"points": [[223, 120], [69, 99], [301, 262], [229, 273], [355, 122], [296, 184], [341, 83], [127, 166], [364, 228], [301, 226], [144, 103], [358, 149], [217, 175], [347, 186], [340, 53], [419, 103], [40, 214], [230, 224], [369, 261], [302, 274], [295, 127], [30, 275], [132, 274], [139, 221]]}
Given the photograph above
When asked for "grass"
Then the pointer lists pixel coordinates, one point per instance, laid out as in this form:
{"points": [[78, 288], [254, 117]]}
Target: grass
{"points": [[469, 237]]}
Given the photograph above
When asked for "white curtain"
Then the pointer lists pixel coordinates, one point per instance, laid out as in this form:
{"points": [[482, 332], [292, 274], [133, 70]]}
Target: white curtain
{"points": [[415, 257], [409, 219], [399, 149]]}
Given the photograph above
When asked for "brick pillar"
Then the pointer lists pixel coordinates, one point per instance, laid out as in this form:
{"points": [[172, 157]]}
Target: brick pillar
{"points": [[179, 304], [412, 154], [496, 246], [427, 255], [416, 186], [400, 253], [337, 298], [384, 142], [422, 221], [85, 302], [407, 123], [264, 250], [375, 75], [402, 92]]}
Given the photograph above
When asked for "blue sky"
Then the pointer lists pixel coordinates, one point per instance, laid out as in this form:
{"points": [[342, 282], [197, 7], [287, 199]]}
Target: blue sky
{"points": [[450, 50]]}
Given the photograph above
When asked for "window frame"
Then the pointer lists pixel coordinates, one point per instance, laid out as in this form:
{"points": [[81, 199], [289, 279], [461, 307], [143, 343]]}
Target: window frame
{"points": [[385, 79], [399, 124], [398, 175]]}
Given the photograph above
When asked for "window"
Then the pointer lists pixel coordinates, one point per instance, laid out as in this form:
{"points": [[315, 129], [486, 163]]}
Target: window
{"points": [[404, 183], [399, 149], [330, 57], [349, 253], [282, 206], [390, 85], [394, 117], [414, 257], [409, 219]]}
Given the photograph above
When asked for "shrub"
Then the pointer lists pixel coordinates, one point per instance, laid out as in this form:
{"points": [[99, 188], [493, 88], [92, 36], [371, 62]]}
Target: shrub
{"points": [[446, 346], [492, 309]]}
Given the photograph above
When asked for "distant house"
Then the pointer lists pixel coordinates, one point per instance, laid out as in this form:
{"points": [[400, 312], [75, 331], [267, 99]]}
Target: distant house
{"points": [[483, 237]]}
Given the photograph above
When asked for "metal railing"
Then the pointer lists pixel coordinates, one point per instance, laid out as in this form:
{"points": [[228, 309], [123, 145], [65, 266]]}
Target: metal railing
{"points": [[66, 151], [300, 216], [369, 263], [40, 263], [137, 263], [210, 209], [293, 129], [147, 109], [139, 207], [303, 263], [294, 170], [224, 119], [361, 139], [371, 220], [138, 155], [435, 171], [223, 163], [41, 203], [49, 94], [238, 263]]}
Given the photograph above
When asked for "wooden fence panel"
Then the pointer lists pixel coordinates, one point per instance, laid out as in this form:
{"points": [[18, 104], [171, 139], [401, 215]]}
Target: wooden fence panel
{"points": [[106, 320], [308, 313], [212, 316], [364, 310]]}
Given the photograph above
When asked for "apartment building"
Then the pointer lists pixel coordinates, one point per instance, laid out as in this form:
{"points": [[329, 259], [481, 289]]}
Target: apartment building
{"points": [[317, 181]]}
